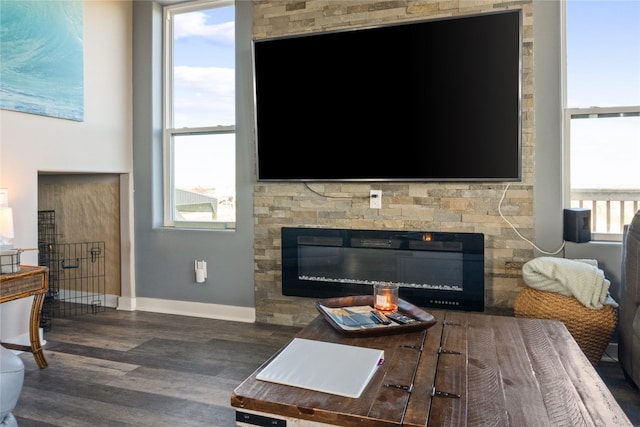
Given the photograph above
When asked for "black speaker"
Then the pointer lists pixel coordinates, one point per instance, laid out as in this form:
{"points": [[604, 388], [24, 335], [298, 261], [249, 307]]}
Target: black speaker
{"points": [[577, 225]]}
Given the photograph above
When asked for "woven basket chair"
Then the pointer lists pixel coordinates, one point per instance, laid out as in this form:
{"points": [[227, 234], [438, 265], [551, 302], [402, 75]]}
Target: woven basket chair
{"points": [[592, 329]]}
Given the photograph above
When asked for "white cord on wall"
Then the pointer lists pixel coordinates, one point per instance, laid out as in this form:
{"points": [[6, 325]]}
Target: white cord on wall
{"points": [[504, 193]]}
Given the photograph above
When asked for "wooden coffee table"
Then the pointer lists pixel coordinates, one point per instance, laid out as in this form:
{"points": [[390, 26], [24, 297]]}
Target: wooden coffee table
{"points": [[468, 369]]}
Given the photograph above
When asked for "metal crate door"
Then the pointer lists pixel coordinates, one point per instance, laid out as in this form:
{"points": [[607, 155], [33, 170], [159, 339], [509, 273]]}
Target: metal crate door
{"points": [[80, 279]]}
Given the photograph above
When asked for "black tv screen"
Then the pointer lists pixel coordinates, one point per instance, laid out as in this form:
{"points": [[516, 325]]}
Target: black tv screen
{"points": [[436, 100]]}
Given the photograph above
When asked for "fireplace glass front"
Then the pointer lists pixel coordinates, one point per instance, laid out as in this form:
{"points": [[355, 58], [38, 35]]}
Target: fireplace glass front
{"points": [[432, 269]]}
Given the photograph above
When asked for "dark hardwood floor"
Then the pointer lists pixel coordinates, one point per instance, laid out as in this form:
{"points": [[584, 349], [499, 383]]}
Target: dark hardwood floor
{"points": [[118, 368], [626, 394]]}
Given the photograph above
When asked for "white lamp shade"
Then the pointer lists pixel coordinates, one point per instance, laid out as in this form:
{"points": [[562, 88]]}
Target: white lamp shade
{"points": [[6, 225], [4, 197]]}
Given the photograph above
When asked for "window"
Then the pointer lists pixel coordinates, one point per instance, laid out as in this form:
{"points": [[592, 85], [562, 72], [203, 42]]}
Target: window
{"points": [[199, 115], [602, 111]]}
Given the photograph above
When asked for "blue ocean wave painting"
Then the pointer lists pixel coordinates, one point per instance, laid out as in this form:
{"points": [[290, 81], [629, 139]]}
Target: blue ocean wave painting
{"points": [[41, 58]]}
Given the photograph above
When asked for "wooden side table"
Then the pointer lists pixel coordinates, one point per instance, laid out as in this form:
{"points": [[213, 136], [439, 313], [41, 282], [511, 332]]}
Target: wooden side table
{"points": [[29, 281]]}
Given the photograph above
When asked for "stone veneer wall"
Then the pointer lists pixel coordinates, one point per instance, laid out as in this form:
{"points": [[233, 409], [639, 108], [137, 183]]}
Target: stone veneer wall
{"points": [[458, 207]]}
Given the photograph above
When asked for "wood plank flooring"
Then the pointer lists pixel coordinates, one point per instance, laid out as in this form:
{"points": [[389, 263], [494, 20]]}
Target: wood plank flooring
{"points": [[626, 394], [119, 368], [122, 368]]}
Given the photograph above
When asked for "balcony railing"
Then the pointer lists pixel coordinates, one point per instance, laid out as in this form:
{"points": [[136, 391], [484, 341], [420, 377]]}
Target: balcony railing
{"points": [[610, 209]]}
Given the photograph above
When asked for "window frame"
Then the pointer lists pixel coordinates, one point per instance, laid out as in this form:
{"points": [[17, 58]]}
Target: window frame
{"points": [[573, 114], [169, 132], [569, 113]]}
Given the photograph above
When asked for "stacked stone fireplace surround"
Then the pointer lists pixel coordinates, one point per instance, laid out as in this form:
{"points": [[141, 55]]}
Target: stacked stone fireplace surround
{"points": [[454, 207]]}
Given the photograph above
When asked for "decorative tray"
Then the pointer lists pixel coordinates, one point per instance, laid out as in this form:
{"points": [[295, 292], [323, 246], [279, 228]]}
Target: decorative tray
{"points": [[336, 310]]}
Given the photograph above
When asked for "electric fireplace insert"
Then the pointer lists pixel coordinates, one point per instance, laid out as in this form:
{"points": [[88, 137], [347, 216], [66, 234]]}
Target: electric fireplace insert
{"points": [[433, 269]]}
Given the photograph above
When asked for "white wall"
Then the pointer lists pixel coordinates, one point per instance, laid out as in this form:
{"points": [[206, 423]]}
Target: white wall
{"points": [[101, 143]]}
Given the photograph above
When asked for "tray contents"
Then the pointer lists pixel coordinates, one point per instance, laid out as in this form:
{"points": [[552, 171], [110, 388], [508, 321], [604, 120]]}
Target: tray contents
{"points": [[400, 318], [356, 315]]}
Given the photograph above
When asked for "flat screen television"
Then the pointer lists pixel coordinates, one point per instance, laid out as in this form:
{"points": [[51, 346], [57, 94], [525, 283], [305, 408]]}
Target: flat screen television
{"points": [[436, 100]]}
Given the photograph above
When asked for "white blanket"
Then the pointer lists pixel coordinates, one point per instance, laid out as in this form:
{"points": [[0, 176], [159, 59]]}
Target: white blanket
{"points": [[581, 279]]}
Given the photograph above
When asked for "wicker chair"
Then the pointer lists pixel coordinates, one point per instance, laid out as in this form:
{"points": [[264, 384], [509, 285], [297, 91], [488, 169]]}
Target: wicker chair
{"points": [[592, 329]]}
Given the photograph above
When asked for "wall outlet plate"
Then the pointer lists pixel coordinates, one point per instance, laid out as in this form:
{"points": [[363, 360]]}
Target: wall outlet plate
{"points": [[375, 199]]}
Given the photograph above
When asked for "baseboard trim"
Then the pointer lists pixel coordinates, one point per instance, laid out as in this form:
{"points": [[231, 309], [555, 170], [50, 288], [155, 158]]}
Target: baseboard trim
{"points": [[188, 308], [126, 304]]}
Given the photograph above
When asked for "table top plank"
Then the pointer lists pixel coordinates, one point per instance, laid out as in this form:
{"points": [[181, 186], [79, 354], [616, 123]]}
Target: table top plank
{"points": [[600, 406], [563, 404], [486, 401], [419, 404], [451, 374], [399, 373], [523, 400]]}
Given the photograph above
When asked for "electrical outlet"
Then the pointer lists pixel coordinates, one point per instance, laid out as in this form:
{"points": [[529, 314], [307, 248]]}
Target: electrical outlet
{"points": [[201, 271], [375, 199]]}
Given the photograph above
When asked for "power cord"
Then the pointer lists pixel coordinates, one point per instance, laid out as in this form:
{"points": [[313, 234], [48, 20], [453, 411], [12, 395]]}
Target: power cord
{"points": [[504, 193], [306, 184]]}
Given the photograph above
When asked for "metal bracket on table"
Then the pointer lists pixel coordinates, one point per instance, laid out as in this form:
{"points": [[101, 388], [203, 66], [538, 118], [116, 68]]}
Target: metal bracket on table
{"points": [[452, 323], [439, 393], [415, 347], [442, 350], [406, 388]]}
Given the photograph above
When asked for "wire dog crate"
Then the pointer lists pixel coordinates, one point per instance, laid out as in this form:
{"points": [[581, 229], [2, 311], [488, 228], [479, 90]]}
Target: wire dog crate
{"points": [[81, 279], [47, 242], [76, 273]]}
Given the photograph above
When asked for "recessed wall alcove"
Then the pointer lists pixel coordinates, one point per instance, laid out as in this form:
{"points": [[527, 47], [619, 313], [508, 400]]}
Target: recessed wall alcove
{"points": [[84, 211]]}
